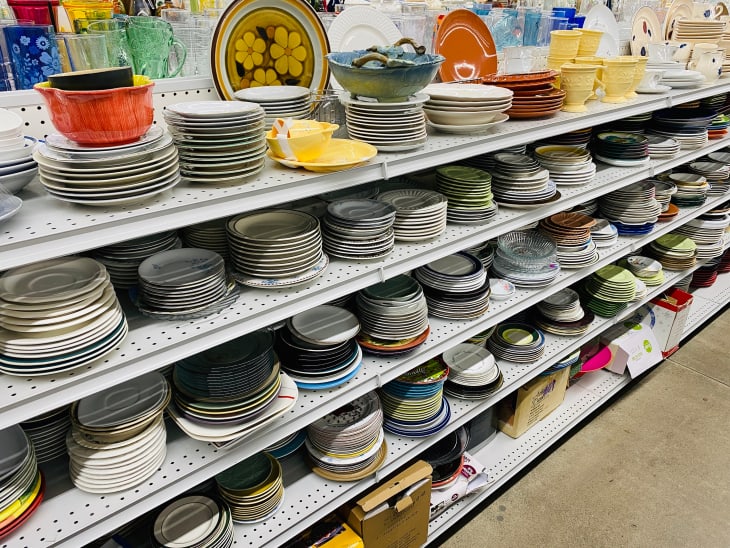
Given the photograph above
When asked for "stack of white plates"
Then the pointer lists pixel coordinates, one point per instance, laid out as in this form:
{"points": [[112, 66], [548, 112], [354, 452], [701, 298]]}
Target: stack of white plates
{"points": [[632, 209], [194, 522], [469, 194], [526, 258], [603, 233], [567, 164], [56, 315], [107, 176], [349, 443], [48, 433], [707, 233], [716, 173], [662, 147], [664, 190], [22, 485], [253, 488], [466, 108], [122, 260], [521, 182], [17, 166], [117, 439], [276, 248], [186, 282], [697, 30], [517, 342], [680, 78], [473, 372], [420, 214], [211, 235], [389, 127], [218, 141], [279, 101], [456, 286], [359, 229]]}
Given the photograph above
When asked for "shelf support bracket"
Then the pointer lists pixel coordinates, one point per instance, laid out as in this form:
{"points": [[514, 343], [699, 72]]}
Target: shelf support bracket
{"points": [[384, 171], [381, 274]]}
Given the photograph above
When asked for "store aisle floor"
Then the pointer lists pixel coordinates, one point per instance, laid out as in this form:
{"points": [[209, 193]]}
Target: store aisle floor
{"points": [[651, 470]]}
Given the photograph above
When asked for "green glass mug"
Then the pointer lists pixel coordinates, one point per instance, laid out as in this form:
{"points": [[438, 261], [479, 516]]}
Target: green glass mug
{"points": [[153, 45]]}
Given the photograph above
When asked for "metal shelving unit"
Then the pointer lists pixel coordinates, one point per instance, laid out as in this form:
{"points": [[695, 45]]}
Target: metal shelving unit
{"points": [[706, 302]]}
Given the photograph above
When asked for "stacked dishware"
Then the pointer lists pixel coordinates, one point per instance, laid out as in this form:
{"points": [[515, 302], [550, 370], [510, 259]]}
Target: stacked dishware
{"points": [[413, 404], [520, 181], [293, 102], [517, 342], [108, 175], [486, 160], [210, 235], [707, 231], [697, 29], [389, 127], [456, 286], [608, 290], [604, 234], [535, 95], [718, 128], [587, 208], [469, 193], [480, 339], [287, 445], [663, 192], [17, 166], [122, 260], [646, 269], [446, 457], [183, 283], [117, 439], [572, 233], [218, 141], [686, 126], [47, 432], [393, 316], [716, 173], [317, 347], [621, 149], [674, 251], [706, 275], [57, 315], [661, 147], [569, 165], [420, 214], [692, 189], [562, 314], [359, 229], [466, 108], [724, 265], [473, 372], [275, 248], [633, 209], [349, 443], [253, 488], [195, 521], [678, 77], [578, 137], [22, 485], [526, 258]]}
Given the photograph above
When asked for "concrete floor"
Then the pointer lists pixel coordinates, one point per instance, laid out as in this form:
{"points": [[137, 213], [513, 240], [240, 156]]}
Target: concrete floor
{"points": [[651, 470]]}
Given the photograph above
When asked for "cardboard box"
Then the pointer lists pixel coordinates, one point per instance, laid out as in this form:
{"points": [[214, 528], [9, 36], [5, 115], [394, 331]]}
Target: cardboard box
{"points": [[394, 515], [532, 402], [328, 532], [633, 345], [670, 313]]}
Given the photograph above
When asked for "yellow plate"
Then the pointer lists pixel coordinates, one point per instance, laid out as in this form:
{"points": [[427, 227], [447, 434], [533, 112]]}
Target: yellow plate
{"points": [[341, 154]]}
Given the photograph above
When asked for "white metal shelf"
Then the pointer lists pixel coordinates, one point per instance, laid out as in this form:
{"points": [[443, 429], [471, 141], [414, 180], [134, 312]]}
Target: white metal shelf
{"points": [[706, 302]]}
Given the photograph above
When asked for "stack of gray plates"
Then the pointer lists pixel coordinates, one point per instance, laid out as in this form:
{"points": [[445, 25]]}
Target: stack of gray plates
{"points": [[359, 229]]}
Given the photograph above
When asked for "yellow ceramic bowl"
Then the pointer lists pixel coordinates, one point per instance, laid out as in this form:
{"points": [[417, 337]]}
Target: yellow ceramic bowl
{"points": [[307, 140]]}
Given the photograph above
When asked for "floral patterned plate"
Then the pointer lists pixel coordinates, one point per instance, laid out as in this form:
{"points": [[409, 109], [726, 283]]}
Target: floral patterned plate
{"points": [[269, 43]]}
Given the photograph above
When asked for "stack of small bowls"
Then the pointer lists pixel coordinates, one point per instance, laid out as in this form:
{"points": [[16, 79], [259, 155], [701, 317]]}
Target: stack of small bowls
{"points": [[17, 166]]}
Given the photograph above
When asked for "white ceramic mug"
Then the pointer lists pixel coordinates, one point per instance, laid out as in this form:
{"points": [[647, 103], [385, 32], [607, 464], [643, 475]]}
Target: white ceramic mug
{"points": [[651, 79], [661, 53]]}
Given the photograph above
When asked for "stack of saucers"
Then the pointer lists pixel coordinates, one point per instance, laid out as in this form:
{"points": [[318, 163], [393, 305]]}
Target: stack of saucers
{"points": [[17, 166], [608, 290], [420, 214], [603, 233], [662, 147], [57, 315], [716, 173], [674, 251], [359, 229], [22, 485], [253, 488], [486, 160], [466, 108], [389, 127], [526, 258], [633, 209], [108, 176], [469, 194], [413, 404], [48, 433], [517, 342], [572, 234], [122, 260], [678, 77], [393, 316], [117, 439], [317, 348], [349, 443], [195, 521], [692, 189], [621, 149], [456, 286], [568, 165], [218, 141], [186, 282], [279, 101], [519, 181], [276, 248], [562, 314], [210, 235], [686, 126], [707, 231], [646, 269], [534, 93], [288, 445], [663, 192], [473, 373]]}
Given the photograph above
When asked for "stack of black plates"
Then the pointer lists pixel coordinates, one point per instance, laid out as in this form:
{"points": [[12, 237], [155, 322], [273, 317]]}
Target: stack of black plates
{"points": [[446, 457], [687, 126], [48, 433], [520, 181], [517, 342], [621, 149], [194, 522], [318, 348], [633, 209], [562, 314], [393, 316], [286, 446], [253, 488], [359, 229], [473, 373], [456, 286]]}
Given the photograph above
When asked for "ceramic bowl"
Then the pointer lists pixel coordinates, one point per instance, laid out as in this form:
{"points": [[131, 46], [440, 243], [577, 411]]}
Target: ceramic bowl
{"points": [[385, 83], [307, 140], [104, 117], [93, 80]]}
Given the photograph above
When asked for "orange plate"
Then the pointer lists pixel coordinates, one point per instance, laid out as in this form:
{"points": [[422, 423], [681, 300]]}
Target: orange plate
{"points": [[525, 78], [532, 114], [464, 39]]}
